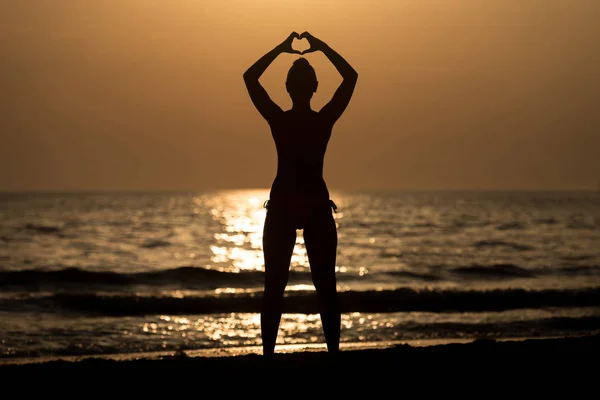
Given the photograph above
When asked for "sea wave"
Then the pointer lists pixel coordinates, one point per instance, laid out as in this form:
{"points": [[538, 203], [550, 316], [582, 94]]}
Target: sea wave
{"points": [[514, 225], [498, 271], [185, 277], [500, 243], [493, 272], [43, 229], [398, 300], [151, 244], [198, 278]]}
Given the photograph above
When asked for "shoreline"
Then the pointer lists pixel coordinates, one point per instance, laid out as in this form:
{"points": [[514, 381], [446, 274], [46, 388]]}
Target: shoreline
{"points": [[235, 351], [485, 366], [376, 354]]}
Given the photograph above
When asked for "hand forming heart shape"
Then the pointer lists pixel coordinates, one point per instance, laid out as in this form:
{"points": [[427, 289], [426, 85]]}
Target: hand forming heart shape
{"points": [[300, 45], [314, 44]]}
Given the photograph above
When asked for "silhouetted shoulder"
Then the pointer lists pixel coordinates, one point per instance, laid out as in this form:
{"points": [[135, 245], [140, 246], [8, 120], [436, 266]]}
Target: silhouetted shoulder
{"points": [[333, 110]]}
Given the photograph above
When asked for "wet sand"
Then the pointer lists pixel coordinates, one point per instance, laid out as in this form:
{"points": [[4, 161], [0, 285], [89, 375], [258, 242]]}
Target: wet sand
{"points": [[569, 357]]}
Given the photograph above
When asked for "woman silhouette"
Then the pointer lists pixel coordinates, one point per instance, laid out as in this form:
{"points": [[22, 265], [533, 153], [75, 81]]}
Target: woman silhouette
{"points": [[299, 198]]}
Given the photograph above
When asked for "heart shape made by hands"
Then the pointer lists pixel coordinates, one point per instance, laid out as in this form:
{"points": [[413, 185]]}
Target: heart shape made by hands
{"points": [[300, 45]]}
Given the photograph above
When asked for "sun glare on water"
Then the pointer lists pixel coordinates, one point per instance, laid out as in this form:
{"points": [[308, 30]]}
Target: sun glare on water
{"points": [[238, 245]]}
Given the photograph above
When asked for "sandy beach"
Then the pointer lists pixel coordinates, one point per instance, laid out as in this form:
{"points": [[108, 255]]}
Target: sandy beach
{"points": [[542, 357]]}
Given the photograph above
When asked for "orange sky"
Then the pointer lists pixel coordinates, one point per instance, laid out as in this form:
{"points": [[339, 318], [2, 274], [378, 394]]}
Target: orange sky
{"points": [[148, 94]]}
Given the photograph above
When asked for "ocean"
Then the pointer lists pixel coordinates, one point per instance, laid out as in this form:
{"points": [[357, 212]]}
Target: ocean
{"points": [[120, 273]]}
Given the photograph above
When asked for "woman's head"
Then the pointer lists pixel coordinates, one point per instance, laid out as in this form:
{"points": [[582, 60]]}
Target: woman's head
{"points": [[301, 80]]}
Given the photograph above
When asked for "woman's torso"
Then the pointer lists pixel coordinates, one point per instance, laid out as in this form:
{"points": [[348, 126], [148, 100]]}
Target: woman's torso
{"points": [[301, 140]]}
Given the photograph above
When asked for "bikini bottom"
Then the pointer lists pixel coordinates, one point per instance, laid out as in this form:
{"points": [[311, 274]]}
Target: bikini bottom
{"points": [[299, 212]]}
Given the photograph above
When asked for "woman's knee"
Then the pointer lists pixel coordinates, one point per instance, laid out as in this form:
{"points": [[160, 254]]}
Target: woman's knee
{"points": [[275, 287], [325, 285], [328, 297]]}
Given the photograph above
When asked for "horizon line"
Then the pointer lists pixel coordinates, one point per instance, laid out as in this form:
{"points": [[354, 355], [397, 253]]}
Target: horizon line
{"points": [[82, 191]]}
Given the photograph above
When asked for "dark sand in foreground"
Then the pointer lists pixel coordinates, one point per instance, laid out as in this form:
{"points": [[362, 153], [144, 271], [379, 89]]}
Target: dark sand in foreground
{"points": [[575, 357]]}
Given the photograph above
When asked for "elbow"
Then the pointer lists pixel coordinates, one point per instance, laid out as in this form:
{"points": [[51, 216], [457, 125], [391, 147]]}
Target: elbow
{"points": [[352, 76], [248, 77]]}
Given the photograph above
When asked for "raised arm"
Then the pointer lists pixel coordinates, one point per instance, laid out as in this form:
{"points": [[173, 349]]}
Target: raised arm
{"points": [[263, 103], [338, 103]]}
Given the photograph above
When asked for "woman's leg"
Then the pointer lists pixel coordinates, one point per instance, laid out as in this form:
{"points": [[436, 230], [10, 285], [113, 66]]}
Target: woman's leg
{"points": [[279, 238], [320, 238]]}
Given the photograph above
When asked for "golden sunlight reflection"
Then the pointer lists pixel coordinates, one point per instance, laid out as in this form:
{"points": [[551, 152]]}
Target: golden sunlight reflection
{"points": [[235, 329], [230, 290], [238, 245], [300, 287], [243, 329]]}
